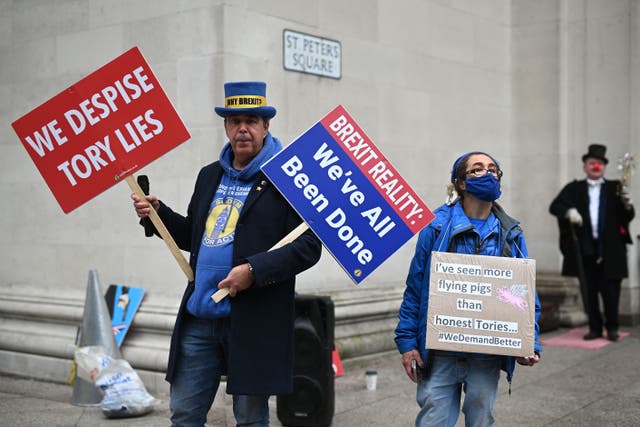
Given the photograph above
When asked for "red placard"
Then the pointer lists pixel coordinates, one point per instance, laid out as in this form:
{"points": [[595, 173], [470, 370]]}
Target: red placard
{"points": [[101, 129]]}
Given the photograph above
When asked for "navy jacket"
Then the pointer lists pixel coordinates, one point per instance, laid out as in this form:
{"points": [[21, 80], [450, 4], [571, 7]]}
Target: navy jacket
{"points": [[260, 359]]}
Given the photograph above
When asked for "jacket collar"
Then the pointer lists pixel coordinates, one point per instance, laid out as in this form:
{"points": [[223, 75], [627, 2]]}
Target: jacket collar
{"points": [[451, 219], [594, 182]]}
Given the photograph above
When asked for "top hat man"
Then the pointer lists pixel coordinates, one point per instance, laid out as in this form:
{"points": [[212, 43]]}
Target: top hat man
{"points": [[234, 217], [593, 217]]}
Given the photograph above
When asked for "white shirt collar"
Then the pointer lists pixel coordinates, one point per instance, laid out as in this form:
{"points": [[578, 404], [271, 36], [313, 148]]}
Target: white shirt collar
{"points": [[594, 182]]}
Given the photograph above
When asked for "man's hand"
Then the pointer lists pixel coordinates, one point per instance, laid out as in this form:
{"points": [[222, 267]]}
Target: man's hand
{"points": [[406, 363], [143, 207], [238, 279], [625, 196], [528, 361], [574, 217]]}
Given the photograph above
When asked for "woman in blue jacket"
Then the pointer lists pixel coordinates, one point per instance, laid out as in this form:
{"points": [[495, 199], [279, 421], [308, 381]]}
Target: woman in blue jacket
{"points": [[472, 223]]}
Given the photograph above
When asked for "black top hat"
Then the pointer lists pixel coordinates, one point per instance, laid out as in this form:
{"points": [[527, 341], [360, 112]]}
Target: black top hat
{"points": [[596, 151]]}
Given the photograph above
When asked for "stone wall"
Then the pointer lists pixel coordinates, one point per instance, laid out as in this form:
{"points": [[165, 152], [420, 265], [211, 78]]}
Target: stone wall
{"points": [[532, 82], [427, 80]]}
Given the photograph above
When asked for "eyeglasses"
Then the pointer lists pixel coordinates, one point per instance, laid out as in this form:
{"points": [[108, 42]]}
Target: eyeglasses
{"points": [[478, 172]]}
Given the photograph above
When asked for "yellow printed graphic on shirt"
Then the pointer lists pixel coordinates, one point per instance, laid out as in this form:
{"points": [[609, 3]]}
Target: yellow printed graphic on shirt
{"points": [[221, 223]]}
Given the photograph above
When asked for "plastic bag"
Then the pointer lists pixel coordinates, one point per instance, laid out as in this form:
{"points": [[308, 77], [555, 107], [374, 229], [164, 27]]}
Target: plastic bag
{"points": [[91, 360], [124, 391]]}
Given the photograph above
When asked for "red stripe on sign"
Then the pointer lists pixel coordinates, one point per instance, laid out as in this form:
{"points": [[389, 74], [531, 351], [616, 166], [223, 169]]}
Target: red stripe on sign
{"points": [[378, 170]]}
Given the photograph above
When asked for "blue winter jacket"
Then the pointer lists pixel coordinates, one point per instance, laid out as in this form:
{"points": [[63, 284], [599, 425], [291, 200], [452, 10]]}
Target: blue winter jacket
{"points": [[451, 231]]}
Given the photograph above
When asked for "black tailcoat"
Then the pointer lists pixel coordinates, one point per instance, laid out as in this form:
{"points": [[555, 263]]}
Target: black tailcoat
{"points": [[613, 221]]}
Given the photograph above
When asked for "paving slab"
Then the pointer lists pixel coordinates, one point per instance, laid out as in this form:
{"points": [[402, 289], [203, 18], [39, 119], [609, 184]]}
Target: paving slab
{"points": [[569, 387]]}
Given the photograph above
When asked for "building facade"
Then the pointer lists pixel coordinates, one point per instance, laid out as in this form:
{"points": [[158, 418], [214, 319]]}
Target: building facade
{"points": [[532, 82]]}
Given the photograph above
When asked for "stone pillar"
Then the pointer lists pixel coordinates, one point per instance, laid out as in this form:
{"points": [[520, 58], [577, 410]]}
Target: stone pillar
{"points": [[560, 300], [630, 297]]}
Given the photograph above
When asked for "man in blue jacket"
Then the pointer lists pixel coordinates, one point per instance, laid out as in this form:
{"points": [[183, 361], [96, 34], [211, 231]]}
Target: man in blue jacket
{"points": [[234, 217], [471, 223]]}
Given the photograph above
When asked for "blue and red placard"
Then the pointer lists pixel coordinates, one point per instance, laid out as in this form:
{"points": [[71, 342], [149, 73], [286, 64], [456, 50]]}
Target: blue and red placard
{"points": [[123, 303], [348, 193]]}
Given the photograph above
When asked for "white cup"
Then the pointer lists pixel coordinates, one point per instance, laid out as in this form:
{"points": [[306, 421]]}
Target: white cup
{"points": [[372, 379]]}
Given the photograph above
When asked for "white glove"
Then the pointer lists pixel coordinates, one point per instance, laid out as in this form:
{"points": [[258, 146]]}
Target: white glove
{"points": [[625, 196], [574, 217]]}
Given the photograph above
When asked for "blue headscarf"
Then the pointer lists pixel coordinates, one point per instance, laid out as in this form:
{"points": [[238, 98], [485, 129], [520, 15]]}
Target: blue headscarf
{"points": [[460, 159]]}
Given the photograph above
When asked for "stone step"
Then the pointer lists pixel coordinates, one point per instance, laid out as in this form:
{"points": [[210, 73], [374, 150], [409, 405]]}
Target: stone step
{"points": [[38, 331], [560, 300], [38, 328]]}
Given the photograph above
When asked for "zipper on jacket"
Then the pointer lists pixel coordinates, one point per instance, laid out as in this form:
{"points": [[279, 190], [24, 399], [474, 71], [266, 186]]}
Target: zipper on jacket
{"points": [[482, 242]]}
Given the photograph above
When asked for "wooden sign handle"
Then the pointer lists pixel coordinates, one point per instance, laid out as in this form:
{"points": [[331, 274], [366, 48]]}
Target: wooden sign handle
{"points": [[293, 235], [162, 230]]}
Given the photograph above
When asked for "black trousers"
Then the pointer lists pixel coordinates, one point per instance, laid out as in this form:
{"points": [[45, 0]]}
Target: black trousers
{"points": [[608, 290]]}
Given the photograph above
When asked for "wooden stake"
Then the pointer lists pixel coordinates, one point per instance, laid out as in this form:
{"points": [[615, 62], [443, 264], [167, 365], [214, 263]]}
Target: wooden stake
{"points": [[293, 235], [162, 230]]}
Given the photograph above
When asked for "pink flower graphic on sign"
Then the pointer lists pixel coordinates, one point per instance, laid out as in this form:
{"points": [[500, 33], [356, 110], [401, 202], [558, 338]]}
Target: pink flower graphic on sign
{"points": [[514, 295]]}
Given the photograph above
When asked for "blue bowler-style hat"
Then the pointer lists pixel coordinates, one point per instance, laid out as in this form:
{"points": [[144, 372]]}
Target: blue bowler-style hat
{"points": [[245, 98]]}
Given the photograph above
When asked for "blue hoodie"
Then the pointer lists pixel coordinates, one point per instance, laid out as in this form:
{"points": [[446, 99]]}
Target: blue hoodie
{"points": [[215, 258]]}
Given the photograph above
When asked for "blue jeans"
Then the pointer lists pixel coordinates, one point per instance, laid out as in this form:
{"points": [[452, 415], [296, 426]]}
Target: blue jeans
{"points": [[202, 361], [450, 374]]}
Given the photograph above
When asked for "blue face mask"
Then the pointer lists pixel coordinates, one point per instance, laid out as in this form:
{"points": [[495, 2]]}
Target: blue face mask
{"points": [[485, 188]]}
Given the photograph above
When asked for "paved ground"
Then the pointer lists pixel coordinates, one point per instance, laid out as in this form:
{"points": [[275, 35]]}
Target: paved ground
{"points": [[570, 387]]}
